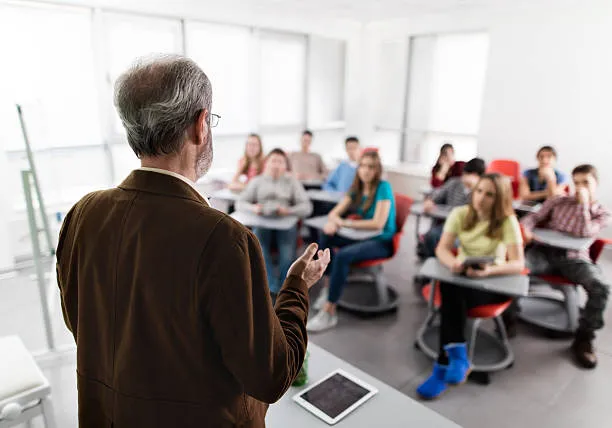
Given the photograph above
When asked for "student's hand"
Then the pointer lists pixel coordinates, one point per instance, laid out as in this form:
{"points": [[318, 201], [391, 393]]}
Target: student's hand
{"points": [[583, 196], [307, 268], [428, 206], [457, 267], [479, 273], [528, 235], [236, 186], [560, 190], [258, 209], [282, 211], [330, 228], [548, 174]]}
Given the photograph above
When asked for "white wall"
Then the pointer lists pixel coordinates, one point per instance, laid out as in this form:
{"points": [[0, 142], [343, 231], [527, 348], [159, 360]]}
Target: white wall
{"points": [[548, 80]]}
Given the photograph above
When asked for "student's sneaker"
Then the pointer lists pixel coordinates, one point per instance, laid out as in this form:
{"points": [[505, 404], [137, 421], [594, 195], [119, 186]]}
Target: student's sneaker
{"points": [[458, 364], [434, 385], [321, 299], [321, 322]]}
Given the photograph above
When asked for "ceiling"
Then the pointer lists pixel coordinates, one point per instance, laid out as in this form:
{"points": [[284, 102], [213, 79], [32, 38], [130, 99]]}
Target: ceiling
{"points": [[375, 10]]}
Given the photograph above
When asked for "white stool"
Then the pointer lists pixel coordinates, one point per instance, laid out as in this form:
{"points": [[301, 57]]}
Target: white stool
{"points": [[24, 390]]}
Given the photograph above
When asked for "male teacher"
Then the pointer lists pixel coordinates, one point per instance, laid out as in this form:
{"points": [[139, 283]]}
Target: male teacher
{"points": [[167, 297]]}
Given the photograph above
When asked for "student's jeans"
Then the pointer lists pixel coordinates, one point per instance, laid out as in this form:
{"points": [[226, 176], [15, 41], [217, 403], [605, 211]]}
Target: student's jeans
{"points": [[350, 252], [286, 241], [431, 239], [542, 260], [456, 301]]}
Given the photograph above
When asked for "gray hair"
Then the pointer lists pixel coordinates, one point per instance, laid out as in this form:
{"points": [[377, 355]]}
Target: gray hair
{"points": [[158, 99]]}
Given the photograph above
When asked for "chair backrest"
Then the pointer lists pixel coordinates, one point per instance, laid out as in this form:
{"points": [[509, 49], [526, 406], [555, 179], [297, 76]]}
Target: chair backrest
{"points": [[403, 204], [509, 168], [597, 247]]}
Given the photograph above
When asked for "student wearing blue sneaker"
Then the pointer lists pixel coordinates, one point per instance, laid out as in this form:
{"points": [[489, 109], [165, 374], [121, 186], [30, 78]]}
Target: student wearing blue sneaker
{"points": [[485, 227]]}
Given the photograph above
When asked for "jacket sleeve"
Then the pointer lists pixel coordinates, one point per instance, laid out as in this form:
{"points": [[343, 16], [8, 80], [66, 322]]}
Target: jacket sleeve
{"points": [[331, 184], [263, 347]]}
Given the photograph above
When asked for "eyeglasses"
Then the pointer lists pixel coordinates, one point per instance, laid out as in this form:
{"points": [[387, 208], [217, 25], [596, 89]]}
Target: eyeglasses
{"points": [[214, 120]]}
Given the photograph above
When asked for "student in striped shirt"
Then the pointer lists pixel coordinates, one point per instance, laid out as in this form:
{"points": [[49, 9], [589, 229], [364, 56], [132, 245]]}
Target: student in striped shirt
{"points": [[578, 215], [455, 192]]}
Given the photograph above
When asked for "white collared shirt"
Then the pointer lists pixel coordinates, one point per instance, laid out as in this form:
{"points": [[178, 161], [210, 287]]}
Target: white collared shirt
{"points": [[175, 175]]}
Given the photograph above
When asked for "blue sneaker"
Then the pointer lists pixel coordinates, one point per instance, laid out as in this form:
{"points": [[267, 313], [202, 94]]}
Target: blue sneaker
{"points": [[435, 385], [459, 366]]}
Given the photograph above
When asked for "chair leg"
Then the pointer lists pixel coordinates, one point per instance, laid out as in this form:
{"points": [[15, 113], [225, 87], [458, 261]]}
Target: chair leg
{"points": [[473, 335], [572, 306], [47, 413], [381, 287]]}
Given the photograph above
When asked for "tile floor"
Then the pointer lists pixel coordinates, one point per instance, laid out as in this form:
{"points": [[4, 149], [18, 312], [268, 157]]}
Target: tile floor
{"points": [[543, 389]]}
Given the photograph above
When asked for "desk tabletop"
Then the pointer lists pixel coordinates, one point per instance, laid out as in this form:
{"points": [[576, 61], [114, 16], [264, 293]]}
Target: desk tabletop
{"points": [[553, 238], [512, 285], [526, 207], [313, 182], [225, 195], [440, 212], [346, 232], [253, 220], [325, 196], [389, 408]]}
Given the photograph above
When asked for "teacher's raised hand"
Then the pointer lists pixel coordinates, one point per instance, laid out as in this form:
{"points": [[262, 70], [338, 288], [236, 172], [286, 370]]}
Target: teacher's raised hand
{"points": [[308, 268]]}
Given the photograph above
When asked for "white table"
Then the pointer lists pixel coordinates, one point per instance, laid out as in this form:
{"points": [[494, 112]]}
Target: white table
{"points": [[275, 223], [310, 183], [325, 196], [526, 207], [225, 195], [511, 285], [389, 408], [439, 212], [346, 232], [553, 238]]}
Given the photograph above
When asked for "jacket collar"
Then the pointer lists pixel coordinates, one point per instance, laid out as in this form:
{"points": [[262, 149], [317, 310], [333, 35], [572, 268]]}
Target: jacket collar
{"points": [[162, 184]]}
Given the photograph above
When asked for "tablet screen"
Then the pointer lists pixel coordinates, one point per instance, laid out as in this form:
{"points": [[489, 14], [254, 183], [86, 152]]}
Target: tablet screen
{"points": [[334, 395]]}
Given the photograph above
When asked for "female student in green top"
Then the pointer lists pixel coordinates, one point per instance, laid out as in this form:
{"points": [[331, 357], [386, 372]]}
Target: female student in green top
{"points": [[371, 199], [485, 227]]}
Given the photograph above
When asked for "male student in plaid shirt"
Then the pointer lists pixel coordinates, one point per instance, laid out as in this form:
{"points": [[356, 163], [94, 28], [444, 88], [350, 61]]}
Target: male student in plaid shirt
{"points": [[579, 215]]}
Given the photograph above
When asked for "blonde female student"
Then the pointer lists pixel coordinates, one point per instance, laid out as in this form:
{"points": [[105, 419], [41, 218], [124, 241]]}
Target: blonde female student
{"points": [[486, 226], [250, 165]]}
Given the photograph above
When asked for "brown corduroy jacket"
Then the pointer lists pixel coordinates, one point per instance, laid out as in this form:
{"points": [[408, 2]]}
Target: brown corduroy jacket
{"points": [[169, 306]]}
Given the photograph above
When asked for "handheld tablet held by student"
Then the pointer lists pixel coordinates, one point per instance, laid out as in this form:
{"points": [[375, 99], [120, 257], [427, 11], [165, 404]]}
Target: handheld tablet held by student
{"points": [[335, 396], [477, 262]]}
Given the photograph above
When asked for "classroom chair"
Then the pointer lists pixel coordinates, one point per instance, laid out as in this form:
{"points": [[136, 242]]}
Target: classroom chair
{"points": [[24, 390], [553, 313], [509, 168], [498, 354], [385, 298]]}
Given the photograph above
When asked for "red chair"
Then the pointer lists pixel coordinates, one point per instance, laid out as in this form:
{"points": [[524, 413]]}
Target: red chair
{"points": [[386, 297], [509, 168], [553, 313]]}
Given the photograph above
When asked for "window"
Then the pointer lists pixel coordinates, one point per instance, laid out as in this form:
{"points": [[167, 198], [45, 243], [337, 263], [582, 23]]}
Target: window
{"points": [[447, 75], [282, 80], [48, 68], [223, 52], [326, 69], [129, 37]]}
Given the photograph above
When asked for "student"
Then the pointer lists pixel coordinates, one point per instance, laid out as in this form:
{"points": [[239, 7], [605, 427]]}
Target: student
{"points": [[446, 166], [485, 227], [274, 193], [305, 164], [250, 164], [341, 179], [455, 192], [371, 199], [545, 181], [579, 215]]}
